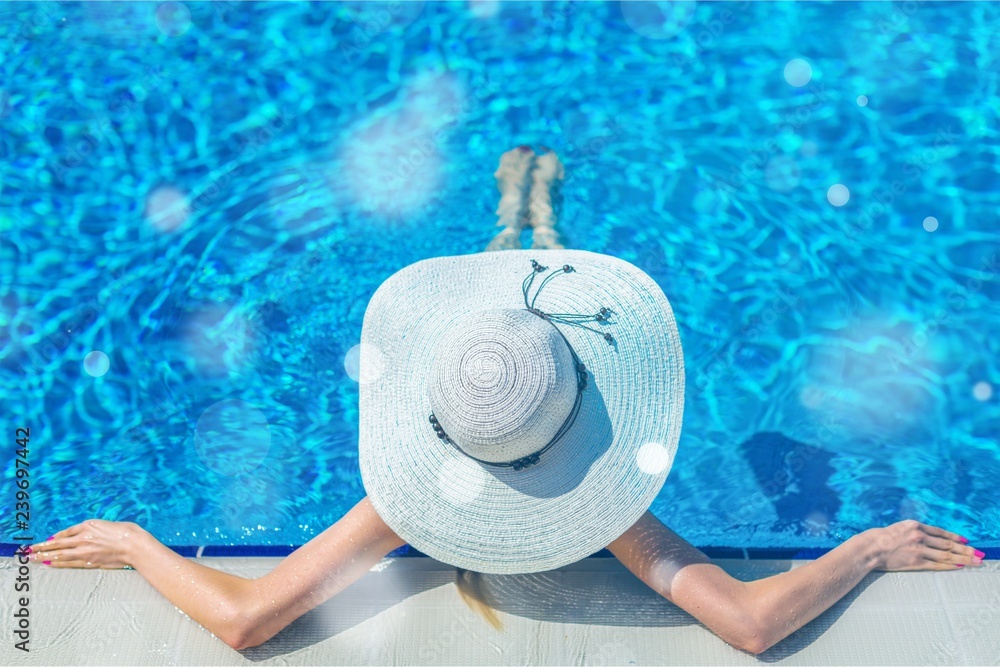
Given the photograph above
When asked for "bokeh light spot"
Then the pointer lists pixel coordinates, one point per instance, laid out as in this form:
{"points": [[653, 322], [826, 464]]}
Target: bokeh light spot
{"points": [[811, 396], [392, 160], [982, 391], [798, 72], [862, 101], [167, 209], [364, 363], [838, 194], [232, 437], [96, 364], [173, 19], [658, 20], [219, 339], [866, 375], [653, 458], [930, 223], [484, 9]]}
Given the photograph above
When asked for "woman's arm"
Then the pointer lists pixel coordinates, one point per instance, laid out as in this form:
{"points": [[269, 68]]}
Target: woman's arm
{"points": [[315, 572], [755, 615], [241, 612]]}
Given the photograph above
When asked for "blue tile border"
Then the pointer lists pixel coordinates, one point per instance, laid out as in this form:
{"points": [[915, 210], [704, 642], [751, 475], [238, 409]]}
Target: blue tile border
{"points": [[187, 552], [723, 552], [406, 551], [239, 550]]}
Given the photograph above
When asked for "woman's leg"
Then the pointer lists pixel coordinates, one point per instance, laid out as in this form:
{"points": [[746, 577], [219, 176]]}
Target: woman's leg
{"points": [[529, 189], [513, 181], [545, 185]]}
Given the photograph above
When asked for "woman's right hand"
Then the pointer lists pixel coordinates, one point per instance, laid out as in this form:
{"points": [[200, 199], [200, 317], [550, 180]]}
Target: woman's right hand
{"points": [[911, 545]]}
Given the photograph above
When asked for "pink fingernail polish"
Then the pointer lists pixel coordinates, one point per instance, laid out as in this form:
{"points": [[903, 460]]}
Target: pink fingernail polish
{"points": [[963, 540], [50, 539], [979, 554], [959, 565], [28, 550], [47, 562]]}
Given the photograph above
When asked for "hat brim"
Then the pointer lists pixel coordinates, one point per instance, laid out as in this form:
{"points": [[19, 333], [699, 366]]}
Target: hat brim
{"points": [[592, 485]]}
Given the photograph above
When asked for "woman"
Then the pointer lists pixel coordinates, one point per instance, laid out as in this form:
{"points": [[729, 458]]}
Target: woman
{"points": [[522, 477]]}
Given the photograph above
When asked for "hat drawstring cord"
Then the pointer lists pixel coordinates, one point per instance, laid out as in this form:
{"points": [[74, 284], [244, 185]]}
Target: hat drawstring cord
{"points": [[573, 319]]}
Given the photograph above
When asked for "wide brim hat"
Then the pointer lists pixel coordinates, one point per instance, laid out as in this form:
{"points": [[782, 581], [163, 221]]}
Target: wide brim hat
{"points": [[592, 484]]}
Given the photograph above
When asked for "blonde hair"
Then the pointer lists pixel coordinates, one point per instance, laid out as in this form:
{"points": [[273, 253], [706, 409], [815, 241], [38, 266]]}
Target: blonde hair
{"points": [[470, 588]]}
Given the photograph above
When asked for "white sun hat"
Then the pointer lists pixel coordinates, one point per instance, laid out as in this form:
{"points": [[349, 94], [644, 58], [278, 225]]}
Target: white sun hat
{"points": [[519, 410]]}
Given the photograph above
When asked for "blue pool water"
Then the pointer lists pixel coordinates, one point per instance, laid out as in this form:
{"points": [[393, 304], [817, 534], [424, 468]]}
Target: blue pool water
{"points": [[197, 202]]}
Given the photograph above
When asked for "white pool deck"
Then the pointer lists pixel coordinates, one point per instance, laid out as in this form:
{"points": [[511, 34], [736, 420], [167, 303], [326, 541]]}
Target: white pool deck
{"points": [[407, 611]]}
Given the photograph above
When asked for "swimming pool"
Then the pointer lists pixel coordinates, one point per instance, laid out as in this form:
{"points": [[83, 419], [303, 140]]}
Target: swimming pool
{"points": [[199, 199]]}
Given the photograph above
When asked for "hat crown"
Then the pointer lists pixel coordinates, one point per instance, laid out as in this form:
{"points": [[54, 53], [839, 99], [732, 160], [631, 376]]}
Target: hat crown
{"points": [[502, 382]]}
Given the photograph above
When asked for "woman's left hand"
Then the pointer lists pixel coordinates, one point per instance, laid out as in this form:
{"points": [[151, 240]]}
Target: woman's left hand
{"points": [[94, 543], [911, 545]]}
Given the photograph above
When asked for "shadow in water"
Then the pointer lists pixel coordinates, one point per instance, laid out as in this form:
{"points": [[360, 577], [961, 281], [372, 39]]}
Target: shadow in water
{"points": [[793, 476]]}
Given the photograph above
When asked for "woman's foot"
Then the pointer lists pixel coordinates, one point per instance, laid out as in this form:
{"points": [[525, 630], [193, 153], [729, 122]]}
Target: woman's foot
{"points": [[545, 237], [508, 238]]}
